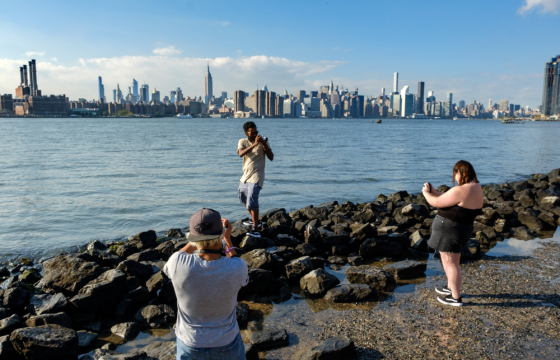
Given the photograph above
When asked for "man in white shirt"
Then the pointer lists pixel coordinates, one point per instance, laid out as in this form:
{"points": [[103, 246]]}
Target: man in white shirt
{"points": [[254, 150]]}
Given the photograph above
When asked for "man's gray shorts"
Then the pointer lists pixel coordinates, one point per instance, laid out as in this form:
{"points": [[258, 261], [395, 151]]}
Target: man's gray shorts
{"points": [[249, 195]]}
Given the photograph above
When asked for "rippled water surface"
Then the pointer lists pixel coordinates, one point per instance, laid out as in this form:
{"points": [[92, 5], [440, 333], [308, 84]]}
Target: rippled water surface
{"points": [[64, 182]]}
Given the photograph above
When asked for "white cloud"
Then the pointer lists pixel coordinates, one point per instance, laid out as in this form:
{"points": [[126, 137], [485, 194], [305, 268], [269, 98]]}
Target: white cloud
{"points": [[225, 23], [34, 53], [54, 59], [543, 6], [167, 73], [166, 51]]}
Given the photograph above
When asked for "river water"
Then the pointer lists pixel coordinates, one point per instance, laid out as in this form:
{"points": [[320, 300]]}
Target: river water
{"points": [[64, 182]]}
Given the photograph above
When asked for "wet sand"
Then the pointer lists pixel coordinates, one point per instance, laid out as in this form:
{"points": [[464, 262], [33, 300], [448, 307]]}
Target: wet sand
{"points": [[511, 310]]}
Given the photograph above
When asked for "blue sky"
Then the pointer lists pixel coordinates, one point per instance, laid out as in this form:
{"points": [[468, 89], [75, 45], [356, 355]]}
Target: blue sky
{"points": [[475, 49]]}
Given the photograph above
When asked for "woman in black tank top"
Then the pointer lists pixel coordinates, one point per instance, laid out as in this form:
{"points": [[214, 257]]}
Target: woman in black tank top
{"points": [[453, 226]]}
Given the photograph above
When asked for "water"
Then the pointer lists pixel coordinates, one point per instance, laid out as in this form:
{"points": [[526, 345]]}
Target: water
{"points": [[64, 182]]}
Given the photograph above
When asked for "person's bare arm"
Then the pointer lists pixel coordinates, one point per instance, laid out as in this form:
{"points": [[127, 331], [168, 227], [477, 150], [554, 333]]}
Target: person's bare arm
{"points": [[449, 198], [268, 151], [243, 152], [227, 237]]}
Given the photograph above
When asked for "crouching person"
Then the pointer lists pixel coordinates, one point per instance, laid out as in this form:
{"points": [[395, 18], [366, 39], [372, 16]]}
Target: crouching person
{"points": [[206, 285]]}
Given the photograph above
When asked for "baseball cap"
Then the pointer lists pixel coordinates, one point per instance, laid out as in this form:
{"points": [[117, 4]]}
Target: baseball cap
{"points": [[206, 224]]}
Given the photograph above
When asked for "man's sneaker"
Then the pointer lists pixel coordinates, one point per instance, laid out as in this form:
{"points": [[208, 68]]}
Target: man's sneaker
{"points": [[449, 300], [254, 233], [248, 223], [443, 290]]}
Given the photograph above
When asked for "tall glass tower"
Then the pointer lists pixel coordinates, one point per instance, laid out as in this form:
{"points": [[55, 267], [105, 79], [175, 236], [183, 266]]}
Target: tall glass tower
{"points": [[551, 88], [135, 88]]}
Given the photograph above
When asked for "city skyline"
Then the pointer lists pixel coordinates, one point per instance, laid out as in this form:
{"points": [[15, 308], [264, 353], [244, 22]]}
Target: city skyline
{"points": [[474, 66]]}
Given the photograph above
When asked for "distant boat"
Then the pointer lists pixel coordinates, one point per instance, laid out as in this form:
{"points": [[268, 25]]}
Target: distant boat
{"points": [[183, 116], [512, 121], [455, 118], [378, 121], [263, 116]]}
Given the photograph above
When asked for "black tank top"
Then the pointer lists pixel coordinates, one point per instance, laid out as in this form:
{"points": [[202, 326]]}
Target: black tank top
{"points": [[459, 214]]}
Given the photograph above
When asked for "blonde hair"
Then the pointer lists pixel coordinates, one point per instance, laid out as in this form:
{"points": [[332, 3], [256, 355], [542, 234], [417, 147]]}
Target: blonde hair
{"points": [[208, 243]]}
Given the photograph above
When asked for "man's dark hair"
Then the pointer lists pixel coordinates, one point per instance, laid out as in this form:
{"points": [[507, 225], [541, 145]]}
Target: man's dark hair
{"points": [[248, 125]]}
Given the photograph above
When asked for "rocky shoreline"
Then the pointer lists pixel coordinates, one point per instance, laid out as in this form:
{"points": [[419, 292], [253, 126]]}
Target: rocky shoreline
{"points": [[63, 306]]}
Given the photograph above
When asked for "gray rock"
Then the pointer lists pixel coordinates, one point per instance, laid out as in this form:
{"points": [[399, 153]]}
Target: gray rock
{"points": [[286, 240], [373, 248], [46, 343], [337, 260], [312, 235], [350, 293], [355, 260], [133, 268], [140, 295], [259, 280], [521, 233], [146, 255], [161, 350], [472, 250], [318, 282], [418, 242], [297, 268], [269, 339], [334, 348], [30, 276], [550, 202], [154, 316], [371, 275], [156, 282], [126, 250], [105, 259], [105, 291], [109, 346], [242, 314], [251, 243], [307, 249], [166, 249], [16, 298], [69, 273], [363, 232], [60, 318], [99, 353], [86, 338], [259, 259], [7, 350], [406, 269], [96, 245], [175, 233], [127, 330], [135, 355], [9, 324], [144, 240], [530, 218]]}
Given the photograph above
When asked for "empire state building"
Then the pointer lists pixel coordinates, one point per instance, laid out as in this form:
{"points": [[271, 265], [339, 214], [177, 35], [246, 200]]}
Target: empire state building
{"points": [[208, 86]]}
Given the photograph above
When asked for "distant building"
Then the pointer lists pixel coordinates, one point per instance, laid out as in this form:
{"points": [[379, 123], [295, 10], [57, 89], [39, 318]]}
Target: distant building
{"points": [[208, 90], [156, 96], [239, 100], [260, 103], [551, 87], [179, 95], [224, 95], [462, 104], [172, 95], [270, 104], [101, 89], [407, 104], [135, 88], [420, 100], [279, 111], [300, 95], [145, 93], [396, 102], [504, 105], [6, 103], [396, 83]]}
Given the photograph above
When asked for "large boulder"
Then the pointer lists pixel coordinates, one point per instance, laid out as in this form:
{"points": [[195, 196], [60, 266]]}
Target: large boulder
{"points": [[259, 280], [9, 324], [16, 298], [312, 236], [242, 314], [351, 293], [144, 240], [269, 339], [334, 348], [146, 255], [86, 338], [318, 282], [373, 248], [530, 218], [320, 213], [155, 315], [286, 240], [69, 273], [251, 243], [418, 212], [133, 268], [371, 275], [60, 318], [127, 330], [259, 259], [156, 282], [161, 350], [105, 291], [7, 350], [46, 343], [406, 269], [363, 232], [297, 268]]}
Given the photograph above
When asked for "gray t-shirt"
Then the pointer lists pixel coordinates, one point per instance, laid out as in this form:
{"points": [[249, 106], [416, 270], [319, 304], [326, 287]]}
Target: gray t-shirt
{"points": [[206, 298]]}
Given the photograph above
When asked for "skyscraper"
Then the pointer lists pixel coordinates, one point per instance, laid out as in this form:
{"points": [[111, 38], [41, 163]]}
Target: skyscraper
{"points": [[504, 105], [156, 96], [396, 83], [179, 96], [224, 95], [239, 100], [300, 95], [420, 103], [383, 93], [450, 99], [145, 93], [489, 104], [172, 95], [135, 88], [551, 88], [208, 86], [101, 90], [260, 102], [331, 87]]}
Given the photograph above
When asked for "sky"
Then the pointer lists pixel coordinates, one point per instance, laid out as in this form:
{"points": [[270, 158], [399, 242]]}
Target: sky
{"points": [[474, 49]]}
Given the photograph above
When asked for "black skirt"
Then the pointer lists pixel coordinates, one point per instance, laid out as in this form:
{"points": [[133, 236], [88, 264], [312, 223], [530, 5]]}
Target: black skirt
{"points": [[449, 236]]}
